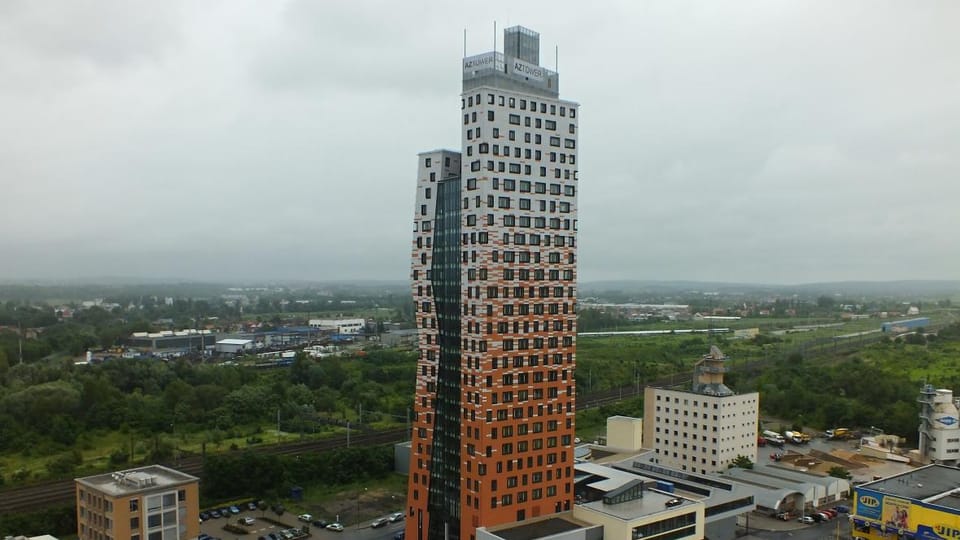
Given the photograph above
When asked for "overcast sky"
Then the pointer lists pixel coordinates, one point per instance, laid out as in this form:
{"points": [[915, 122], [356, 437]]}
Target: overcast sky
{"points": [[774, 141]]}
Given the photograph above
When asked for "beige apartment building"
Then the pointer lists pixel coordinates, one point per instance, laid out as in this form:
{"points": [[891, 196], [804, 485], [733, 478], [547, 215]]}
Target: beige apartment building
{"points": [[704, 429], [147, 503]]}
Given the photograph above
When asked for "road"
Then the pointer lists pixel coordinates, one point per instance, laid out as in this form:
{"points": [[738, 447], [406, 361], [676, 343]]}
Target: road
{"points": [[829, 530]]}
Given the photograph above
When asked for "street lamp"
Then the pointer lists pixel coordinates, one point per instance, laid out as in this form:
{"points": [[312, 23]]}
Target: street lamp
{"points": [[358, 507]]}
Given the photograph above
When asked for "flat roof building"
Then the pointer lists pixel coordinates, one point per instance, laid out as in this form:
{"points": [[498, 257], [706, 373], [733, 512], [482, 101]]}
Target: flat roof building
{"points": [[170, 341], [703, 429], [922, 503], [146, 503]]}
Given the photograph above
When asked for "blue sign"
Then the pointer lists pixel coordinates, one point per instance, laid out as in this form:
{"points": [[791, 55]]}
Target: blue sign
{"points": [[869, 504], [947, 420], [926, 533]]}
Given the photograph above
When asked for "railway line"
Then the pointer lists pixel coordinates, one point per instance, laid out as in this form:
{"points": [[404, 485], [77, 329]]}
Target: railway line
{"points": [[61, 492]]}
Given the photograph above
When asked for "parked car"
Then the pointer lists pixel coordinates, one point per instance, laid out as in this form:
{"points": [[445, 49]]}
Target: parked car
{"points": [[399, 535], [783, 516], [842, 509], [247, 521], [306, 518], [336, 527], [273, 536], [234, 510], [806, 520], [673, 502], [252, 505], [320, 523], [379, 522], [224, 512], [396, 516], [204, 516]]}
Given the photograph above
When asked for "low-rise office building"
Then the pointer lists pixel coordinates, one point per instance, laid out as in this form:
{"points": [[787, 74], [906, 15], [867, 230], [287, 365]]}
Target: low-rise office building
{"points": [[146, 503]]}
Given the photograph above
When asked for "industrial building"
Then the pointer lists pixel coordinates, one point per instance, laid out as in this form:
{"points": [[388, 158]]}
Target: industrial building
{"points": [[703, 429], [922, 503], [494, 285], [939, 432], [169, 341], [340, 326], [906, 325], [146, 503], [234, 345]]}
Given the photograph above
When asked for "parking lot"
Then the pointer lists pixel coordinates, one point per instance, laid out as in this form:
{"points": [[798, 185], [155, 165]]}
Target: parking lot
{"points": [[263, 525]]}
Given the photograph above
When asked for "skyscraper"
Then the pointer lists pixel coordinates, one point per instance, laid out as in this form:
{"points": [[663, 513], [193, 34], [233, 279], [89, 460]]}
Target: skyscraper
{"points": [[494, 283]]}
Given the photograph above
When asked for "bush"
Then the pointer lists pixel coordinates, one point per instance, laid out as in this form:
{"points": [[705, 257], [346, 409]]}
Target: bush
{"points": [[119, 457]]}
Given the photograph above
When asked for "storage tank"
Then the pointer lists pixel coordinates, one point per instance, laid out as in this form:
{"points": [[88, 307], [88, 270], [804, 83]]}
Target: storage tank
{"points": [[944, 425]]}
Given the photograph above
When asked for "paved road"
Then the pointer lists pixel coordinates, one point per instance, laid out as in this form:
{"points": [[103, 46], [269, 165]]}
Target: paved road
{"points": [[836, 528]]}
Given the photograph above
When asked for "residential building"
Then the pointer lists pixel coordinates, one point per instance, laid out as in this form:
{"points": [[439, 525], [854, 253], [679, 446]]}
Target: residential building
{"points": [[146, 503], [494, 286], [703, 429]]}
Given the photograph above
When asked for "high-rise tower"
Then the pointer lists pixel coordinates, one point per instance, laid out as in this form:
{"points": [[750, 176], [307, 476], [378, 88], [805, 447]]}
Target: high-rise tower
{"points": [[494, 283]]}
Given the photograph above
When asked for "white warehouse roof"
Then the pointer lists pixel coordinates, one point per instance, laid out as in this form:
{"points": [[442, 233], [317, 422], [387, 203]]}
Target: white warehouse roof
{"points": [[231, 341]]}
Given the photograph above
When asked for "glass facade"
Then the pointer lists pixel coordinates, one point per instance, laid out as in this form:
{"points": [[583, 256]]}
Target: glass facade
{"points": [[443, 500]]}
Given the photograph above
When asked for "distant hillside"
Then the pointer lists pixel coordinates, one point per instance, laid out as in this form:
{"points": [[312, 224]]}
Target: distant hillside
{"points": [[906, 288]]}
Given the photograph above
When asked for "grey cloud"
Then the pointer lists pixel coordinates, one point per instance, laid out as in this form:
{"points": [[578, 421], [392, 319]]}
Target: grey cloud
{"points": [[775, 142]]}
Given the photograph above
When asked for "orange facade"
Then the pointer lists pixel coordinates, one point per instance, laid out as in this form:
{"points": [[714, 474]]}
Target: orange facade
{"points": [[515, 317]]}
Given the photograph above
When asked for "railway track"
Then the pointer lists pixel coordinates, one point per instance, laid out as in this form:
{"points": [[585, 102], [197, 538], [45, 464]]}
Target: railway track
{"points": [[61, 492]]}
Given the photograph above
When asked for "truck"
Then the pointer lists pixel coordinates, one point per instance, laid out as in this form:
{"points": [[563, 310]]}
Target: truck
{"points": [[773, 438], [796, 437], [838, 434], [792, 437]]}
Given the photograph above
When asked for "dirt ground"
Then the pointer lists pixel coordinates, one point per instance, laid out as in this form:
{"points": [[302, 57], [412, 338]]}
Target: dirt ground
{"points": [[370, 502]]}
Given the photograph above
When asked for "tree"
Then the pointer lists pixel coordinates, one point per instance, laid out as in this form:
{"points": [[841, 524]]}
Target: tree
{"points": [[839, 472], [742, 462]]}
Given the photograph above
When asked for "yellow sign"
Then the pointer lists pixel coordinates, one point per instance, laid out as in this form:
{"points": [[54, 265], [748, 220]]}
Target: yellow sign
{"points": [[896, 513]]}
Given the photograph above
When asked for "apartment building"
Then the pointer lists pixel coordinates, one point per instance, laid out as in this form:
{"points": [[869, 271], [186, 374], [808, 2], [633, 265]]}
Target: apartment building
{"points": [[146, 503], [703, 429]]}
